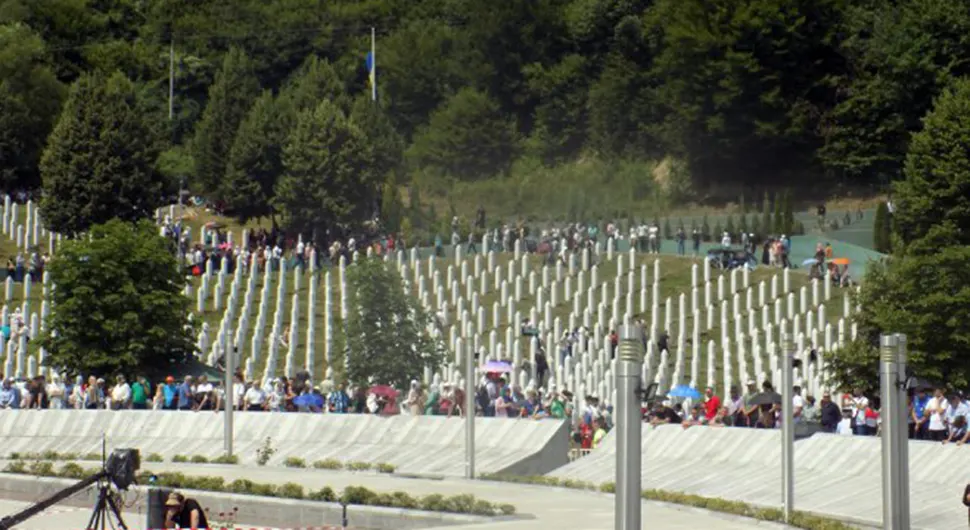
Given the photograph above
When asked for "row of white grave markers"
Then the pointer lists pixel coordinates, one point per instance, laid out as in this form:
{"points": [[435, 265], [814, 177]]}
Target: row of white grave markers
{"points": [[594, 306]]}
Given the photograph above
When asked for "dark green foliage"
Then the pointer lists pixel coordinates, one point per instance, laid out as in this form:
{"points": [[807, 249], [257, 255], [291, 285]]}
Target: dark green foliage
{"points": [[467, 138], [881, 230], [118, 305], [767, 223], [729, 226], [777, 218], [743, 223], [256, 159], [787, 215], [668, 233], [718, 231], [328, 180], [230, 97], [99, 161], [387, 334], [705, 230]]}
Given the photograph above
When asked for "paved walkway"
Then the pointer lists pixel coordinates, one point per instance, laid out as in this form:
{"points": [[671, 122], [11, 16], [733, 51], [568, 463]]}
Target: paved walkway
{"points": [[550, 507]]}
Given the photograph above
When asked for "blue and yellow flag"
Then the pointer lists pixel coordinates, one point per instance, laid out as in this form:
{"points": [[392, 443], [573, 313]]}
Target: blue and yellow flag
{"points": [[372, 74]]}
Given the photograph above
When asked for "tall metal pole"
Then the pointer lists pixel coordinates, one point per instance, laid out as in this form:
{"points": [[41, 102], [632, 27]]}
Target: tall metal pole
{"points": [[230, 400], [902, 433], [469, 410], [171, 79], [629, 362], [889, 376], [787, 425]]}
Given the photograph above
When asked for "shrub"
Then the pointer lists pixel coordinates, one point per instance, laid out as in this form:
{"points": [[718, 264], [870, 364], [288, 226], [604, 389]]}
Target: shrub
{"points": [[72, 470], [180, 459], [241, 486], [199, 459], [463, 503], [359, 466], [608, 487], [290, 490], [264, 490], [206, 483], [265, 452], [506, 509], [400, 499], [92, 456], [357, 495], [226, 459], [385, 468], [154, 457], [50, 455], [42, 469], [15, 456], [17, 466], [326, 495], [293, 461], [330, 463], [433, 503]]}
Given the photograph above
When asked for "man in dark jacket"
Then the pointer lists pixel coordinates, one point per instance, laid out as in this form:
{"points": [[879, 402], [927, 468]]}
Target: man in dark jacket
{"points": [[830, 414]]}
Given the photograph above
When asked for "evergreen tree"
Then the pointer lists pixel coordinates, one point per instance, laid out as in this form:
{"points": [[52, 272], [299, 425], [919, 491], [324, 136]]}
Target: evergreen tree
{"points": [[326, 183], [705, 229], [767, 224], [756, 225], [729, 226], [100, 159], [467, 138], [777, 220], [743, 223], [880, 234], [256, 159], [316, 80], [788, 215], [718, 231], [385, 144], [230, 96], [668, 233], [391, 208]]}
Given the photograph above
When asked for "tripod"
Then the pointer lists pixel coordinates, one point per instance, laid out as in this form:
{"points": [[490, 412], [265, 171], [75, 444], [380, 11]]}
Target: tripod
{"points": [[104, 508]]}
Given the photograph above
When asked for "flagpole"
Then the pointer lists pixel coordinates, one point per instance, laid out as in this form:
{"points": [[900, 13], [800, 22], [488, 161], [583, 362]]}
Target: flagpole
{"points": [[373, 58]]}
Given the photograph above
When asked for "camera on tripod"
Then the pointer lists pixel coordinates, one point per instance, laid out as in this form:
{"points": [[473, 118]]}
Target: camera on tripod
{"points": [[118, 469]]}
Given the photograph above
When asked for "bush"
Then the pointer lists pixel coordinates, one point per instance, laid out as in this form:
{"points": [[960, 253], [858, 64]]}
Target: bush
{"points": [[385, 468], [17, 466], [72, 470], [92, 456], [357, 495], [293, 461], [241, 485], [359, 466], [15, 456], [42, 469], [290, 490], [462, 503], [326, 495], [608, 487], [330, 463], [226, 459], [180, 459], [265, 452], [49, 455], [154, 457], [506, 509], [199, 459]]}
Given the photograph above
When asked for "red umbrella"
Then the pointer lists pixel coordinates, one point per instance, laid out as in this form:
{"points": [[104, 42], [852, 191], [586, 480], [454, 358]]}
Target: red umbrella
{"points": [[383, 391]]}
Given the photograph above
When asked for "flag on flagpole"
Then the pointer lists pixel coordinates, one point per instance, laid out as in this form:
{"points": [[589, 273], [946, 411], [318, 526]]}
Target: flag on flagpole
{"points": [[372, 75]]}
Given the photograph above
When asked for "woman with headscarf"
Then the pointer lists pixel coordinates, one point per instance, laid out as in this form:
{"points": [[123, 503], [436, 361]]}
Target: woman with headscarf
{"points": [[431, 405], [415, 401], [55, 392]]}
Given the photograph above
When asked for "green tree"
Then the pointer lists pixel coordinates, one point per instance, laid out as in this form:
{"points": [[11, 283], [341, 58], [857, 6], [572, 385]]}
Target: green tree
{"points": [[767, 225], [777, 219], [327, 183], [923, 289], [668, 232], [560, 115], [392, 210], [729, 226], [385, 144], [118, 306], [230, 97], [30, 100], [705, 229], [787, 215], [468, 138], [256, 159], [387, 331], [743, 223], [99, 163], [881, 229], [934, 192], [316, 80]]}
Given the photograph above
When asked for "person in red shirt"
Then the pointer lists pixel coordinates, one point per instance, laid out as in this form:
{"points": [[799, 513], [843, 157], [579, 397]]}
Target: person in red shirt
{"points": [[712, 404]]}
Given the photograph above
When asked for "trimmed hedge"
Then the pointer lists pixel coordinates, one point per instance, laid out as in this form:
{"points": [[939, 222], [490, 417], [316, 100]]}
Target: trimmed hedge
{"points": [[798, 519], [355, 495], [54, 455]]}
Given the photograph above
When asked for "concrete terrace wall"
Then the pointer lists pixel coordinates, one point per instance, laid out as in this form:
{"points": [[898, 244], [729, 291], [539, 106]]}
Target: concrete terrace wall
{"points": [[423, 445], [835, 475]]}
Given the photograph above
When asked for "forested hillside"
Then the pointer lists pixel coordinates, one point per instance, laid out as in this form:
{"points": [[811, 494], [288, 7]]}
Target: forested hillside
{"points": [[511, 101]]}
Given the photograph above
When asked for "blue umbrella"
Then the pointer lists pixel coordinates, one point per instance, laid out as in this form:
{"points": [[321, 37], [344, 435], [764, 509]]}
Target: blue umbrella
{"points": [[497, 366], [309, 401], [809, 261], [684, 391]]}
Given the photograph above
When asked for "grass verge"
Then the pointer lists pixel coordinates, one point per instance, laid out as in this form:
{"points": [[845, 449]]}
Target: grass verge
{"points": [[742, 509]]}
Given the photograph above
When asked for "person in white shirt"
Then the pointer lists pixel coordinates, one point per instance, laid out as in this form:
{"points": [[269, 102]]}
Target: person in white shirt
{"points": [[936, 409], [120, 394], [858, 405], [204, 392], [726, 240], [255, 398], [844, 427], [798, 404]]}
